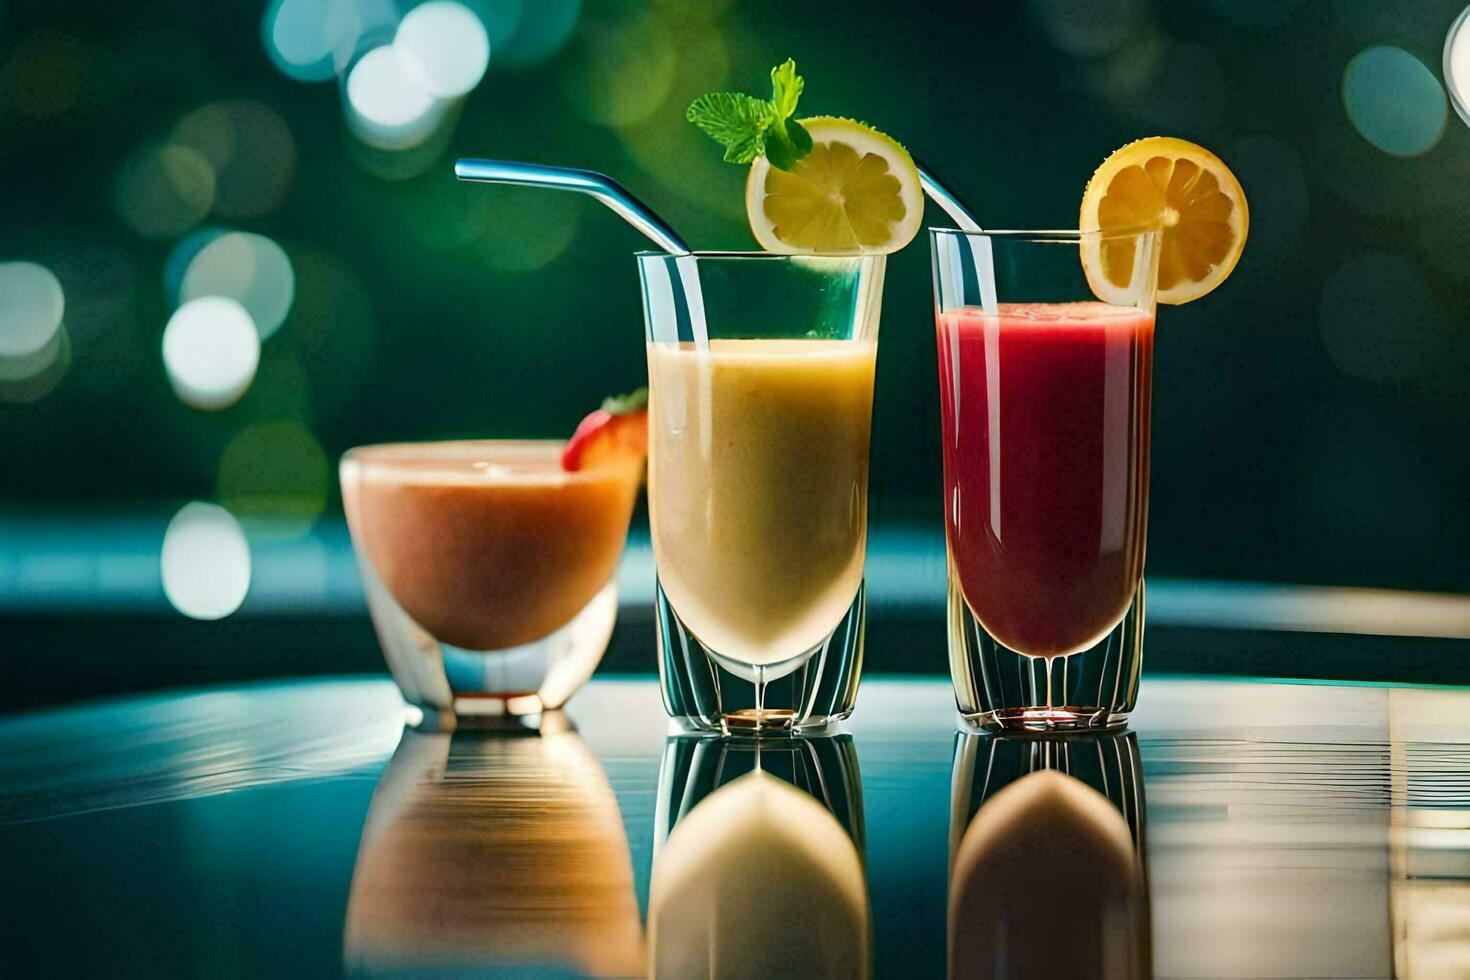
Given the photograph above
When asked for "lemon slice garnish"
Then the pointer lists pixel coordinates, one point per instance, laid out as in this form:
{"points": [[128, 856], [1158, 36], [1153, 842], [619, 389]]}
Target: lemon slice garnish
{"points": [[1183, 190], [856, 191]]}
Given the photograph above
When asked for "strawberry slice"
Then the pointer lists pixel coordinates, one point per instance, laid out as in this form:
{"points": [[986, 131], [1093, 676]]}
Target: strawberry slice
{"points": [[615, 433]]}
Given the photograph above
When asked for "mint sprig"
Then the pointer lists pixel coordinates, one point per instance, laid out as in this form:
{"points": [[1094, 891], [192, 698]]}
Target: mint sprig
{"points": [[748, 127]]}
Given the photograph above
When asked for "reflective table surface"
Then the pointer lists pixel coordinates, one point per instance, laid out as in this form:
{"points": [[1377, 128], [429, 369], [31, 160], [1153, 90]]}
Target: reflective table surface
{"points": [[1242, 829]]}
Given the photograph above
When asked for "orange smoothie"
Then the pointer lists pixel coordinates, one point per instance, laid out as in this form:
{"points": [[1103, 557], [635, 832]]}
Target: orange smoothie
{"points": [[488, 545]]}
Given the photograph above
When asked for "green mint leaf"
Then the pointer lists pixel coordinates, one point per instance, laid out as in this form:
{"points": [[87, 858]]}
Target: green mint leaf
{"points": [[786, 143], [735, 121], [799, 137], [745, 150], [748, 127], [786, 86], [623, 404], [780, 149]]}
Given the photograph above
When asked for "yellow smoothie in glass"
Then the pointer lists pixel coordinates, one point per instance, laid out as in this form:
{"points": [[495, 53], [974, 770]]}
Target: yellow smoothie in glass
{"points": [[758, 488]]}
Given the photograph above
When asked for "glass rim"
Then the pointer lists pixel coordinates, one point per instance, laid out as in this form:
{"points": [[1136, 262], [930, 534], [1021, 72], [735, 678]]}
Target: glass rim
{"points": [[754, 254], [436, 457], [444, 447], [1045, 234], [436, 450]]}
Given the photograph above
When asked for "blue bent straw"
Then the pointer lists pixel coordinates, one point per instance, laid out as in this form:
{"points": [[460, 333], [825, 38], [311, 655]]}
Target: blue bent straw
{"points": [[615, 196], [590, 182]]}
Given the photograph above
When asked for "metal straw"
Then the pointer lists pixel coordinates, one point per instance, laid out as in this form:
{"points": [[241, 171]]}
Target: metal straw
{"points": [[597, 185], [979, 244], [948, 201]]}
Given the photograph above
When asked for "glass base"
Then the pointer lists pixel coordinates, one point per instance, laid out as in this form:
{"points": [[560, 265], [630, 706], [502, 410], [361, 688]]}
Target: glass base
{"points": [[449, 688], [489, 714], [704, 691], [1066, 718], [1000, 690]]}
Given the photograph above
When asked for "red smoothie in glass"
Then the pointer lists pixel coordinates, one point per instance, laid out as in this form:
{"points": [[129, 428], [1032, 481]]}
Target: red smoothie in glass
{"points": [[1046, 422]]}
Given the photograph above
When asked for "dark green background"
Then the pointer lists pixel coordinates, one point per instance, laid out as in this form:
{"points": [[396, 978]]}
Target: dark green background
{"points": [[1271, 459]]}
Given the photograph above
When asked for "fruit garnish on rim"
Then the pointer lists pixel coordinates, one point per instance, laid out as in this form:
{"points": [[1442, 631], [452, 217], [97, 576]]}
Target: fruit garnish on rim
{"points": [[1182, 190], [819, 184], [615, 433]]}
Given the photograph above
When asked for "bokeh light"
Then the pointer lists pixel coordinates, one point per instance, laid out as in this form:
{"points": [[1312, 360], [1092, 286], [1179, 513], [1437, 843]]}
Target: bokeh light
{"points": [[163, 191], [275, 476], [182, 254], [1086, 28], [210, 352], [312, 40], [1377, 318], [623, 69], [35, 349], [248, 268], [1394, 101], [445, 46], [404, 162], [205, 562], [544, 26], [31, 308], [1457, 64], [31, 378], [44, 75], [387, 107], [250, 149]]}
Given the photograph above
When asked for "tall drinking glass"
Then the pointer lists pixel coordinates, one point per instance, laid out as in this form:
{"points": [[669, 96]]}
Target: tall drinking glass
{"points": [[760, 406], [1044, 394]]}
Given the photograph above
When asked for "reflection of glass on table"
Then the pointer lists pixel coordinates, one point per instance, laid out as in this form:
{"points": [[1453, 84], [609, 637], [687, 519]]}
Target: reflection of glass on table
{"points": [[1047, 872], [758, 878], [493, 849]]}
